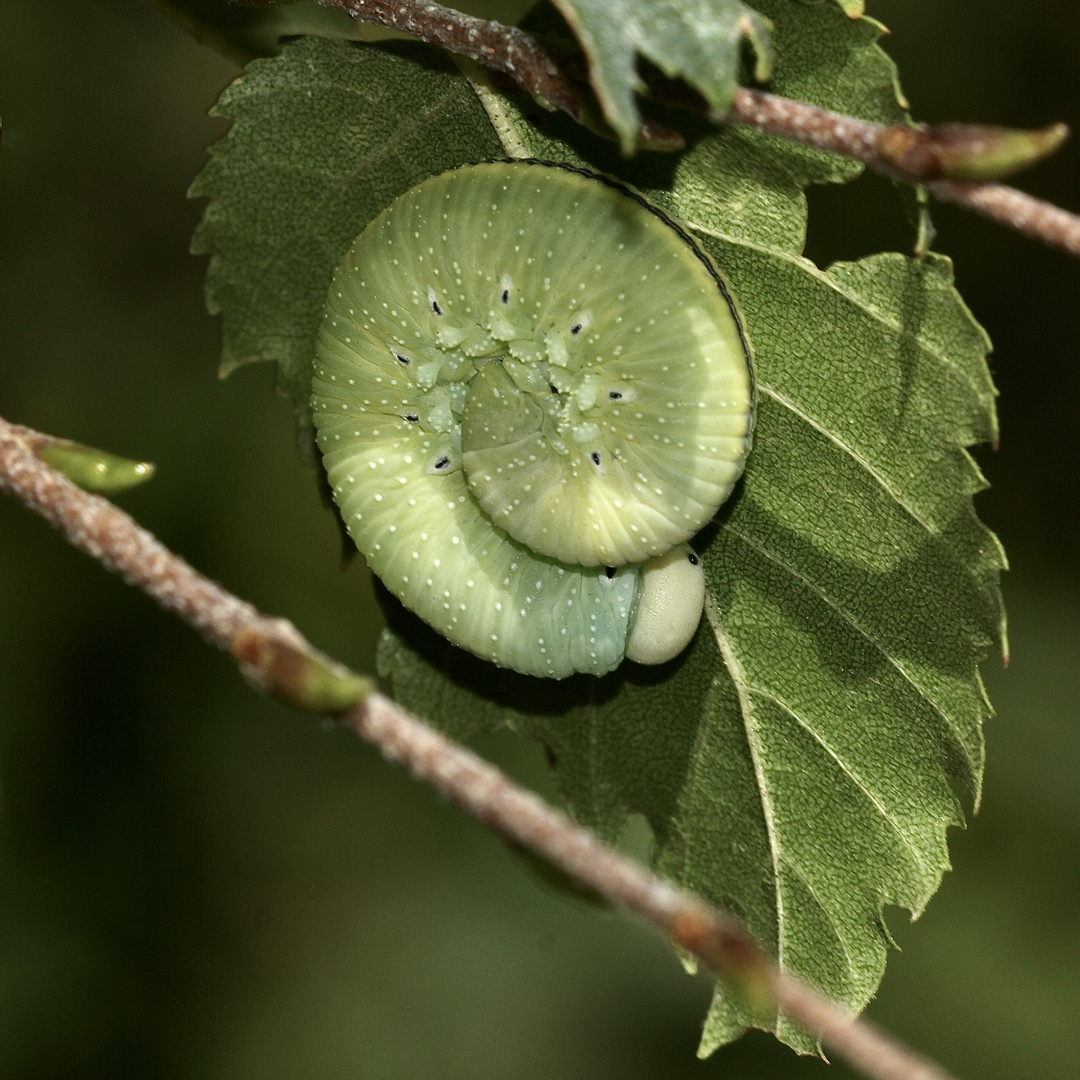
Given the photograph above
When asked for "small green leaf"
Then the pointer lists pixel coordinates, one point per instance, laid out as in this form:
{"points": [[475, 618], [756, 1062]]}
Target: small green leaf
{"points": [[696, 40], [95, 470]]}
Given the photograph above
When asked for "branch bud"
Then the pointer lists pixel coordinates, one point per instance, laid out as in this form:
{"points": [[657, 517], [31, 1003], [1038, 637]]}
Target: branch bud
{"points": [[94, 470], [729, 952], [965, 152], [295, 673]]}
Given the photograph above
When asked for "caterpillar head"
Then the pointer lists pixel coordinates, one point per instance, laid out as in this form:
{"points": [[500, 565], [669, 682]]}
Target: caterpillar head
{"points": [[531, 389], [669, 606]]}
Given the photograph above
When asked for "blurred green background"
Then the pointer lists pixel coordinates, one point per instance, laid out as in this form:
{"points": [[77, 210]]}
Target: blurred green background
{"points": [[195, 882]]}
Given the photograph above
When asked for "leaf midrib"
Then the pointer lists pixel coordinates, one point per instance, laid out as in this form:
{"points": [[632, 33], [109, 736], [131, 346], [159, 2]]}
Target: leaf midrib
{"points": [[742, 689]]}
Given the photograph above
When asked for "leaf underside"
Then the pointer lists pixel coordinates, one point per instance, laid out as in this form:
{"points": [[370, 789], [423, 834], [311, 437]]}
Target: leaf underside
{"points": [[800, 764], [699, 41]]}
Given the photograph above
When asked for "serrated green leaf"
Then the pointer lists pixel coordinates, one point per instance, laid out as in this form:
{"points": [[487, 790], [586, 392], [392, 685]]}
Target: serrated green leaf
{"points": [[696, 40], [323, 137], [798, 766]]}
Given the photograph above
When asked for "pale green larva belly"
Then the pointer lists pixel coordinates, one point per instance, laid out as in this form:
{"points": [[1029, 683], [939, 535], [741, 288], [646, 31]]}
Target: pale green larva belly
{"points": [[529, 384]]}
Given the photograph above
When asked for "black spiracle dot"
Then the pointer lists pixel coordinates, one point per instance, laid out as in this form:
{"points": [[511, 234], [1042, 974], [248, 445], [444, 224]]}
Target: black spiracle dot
{"points": [[609, 571], [614, 395], [435, 307], [693, 559], [576, 329], [412, 418], [504, 296], [442, 463], [553, 388], [402, 359], [595, 458]]}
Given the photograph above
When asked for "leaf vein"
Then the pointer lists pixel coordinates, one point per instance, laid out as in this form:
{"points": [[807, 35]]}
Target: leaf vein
{"points": [[858, 301], [853, 969], [895, 495], [845, 768], [742, 690], [854, 624]]}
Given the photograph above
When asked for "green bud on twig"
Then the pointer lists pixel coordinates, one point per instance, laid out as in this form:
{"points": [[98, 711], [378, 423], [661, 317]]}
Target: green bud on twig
{"points": [[965, 152], [94, 470], [297, 674], [729, 952]]}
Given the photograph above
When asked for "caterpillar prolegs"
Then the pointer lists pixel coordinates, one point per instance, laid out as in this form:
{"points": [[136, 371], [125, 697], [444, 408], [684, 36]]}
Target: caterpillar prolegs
{"points": [[531, 389]]}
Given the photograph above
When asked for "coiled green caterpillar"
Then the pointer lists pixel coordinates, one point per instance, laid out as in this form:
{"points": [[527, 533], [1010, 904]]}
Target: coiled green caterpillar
{"points": [[531, 389]]}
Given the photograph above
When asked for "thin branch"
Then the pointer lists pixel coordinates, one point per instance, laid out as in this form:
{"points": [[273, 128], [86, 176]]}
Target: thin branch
{"points": [[105, 533], [914, 154], [493, 44], [1017, 210], [272, 653], [715, 938]]}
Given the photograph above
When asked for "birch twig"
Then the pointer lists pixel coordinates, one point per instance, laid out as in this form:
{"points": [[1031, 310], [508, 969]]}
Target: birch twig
{"points": [[949, 158]]}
